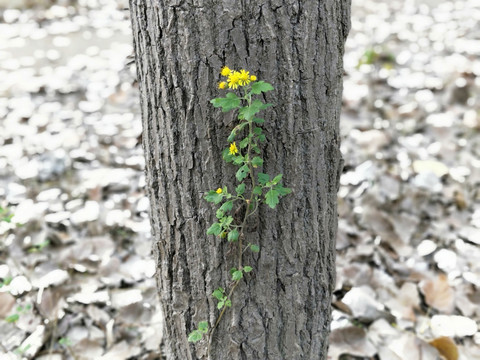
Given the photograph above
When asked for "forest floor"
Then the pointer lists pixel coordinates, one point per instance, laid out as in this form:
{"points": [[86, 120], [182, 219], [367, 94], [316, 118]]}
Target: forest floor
{"points": [[77, 276]]}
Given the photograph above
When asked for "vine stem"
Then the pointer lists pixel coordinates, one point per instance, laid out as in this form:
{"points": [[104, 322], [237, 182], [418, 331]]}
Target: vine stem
{"points": [[210, 338], [242, 226], [252, 177]]}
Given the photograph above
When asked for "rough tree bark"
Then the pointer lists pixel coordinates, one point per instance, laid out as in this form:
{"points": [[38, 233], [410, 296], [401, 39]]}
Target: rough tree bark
{"points": [[283, 310]]}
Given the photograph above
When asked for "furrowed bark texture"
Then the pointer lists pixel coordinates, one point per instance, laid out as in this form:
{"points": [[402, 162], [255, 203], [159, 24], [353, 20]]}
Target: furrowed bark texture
{"points": [[282, 309]]}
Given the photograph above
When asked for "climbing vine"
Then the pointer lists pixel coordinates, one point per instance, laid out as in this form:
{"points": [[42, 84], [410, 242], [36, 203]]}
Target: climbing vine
{"points": [[254, 187]]}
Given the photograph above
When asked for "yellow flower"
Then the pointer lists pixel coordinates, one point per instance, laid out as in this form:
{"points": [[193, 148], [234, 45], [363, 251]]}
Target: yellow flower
{"points": [[225, 71], [253, 78], [244, 79], [234, 80], [233, 148], [219, 190], [222, 85]]}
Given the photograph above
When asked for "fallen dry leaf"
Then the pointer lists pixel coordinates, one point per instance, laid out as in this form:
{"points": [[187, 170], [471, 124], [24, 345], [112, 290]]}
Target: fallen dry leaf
{"points": [[453, 325], [51, 304], [88, 349], [438, 294], [469, 351], [19, 285], [405, 302], [50, 357], [446, 347], [408, 346], [361, 301], [350, 340], [121, 351], [54, 277], [436, 167], [35, 341], [7, 302]]}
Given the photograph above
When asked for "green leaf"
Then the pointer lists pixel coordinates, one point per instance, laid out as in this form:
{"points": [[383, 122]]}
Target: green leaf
{"points": [[257, 161], [282, 190], [258, 120], [237, 275], [248, 112], [195, 336], [212, 196], [227, 156], [271, 198], [220, 305], [218, 294], [261, 86], [242, 173], [238, 160], [263, 178], [227, 206], [215, 229], [231, 137], [277, 179], [219, 214], [6, 281], [257, 190], [255, 248], [244, 143], [203, 326], [65, 341], [257, 131], [247, 269], [231, 101], [233, 235], [256, 148], [226, 221], [228, 303], [240, 189], [261, 138], [12, 318], [236, 130]]}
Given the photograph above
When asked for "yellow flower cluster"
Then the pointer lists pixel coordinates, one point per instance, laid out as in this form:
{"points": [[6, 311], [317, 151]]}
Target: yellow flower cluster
{"points": [[233, 149], [235, 78]]}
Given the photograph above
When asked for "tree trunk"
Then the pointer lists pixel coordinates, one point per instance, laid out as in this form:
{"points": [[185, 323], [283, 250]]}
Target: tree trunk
{"points": [[282, 309]]}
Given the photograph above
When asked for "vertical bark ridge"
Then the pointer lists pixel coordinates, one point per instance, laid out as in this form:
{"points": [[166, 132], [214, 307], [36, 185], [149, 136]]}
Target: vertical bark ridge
{"points": [[283, 310]]}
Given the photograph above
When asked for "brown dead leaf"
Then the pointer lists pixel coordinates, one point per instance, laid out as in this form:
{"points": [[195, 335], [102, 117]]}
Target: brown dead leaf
{"points": [[446, 347], [350, 340], [405, 302], [7, 301], [459, 198], [381, 224], [50, 357], [88, 349], [122, 350], [408, 346], [51, 304], [438, 294], [339, 305]]}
